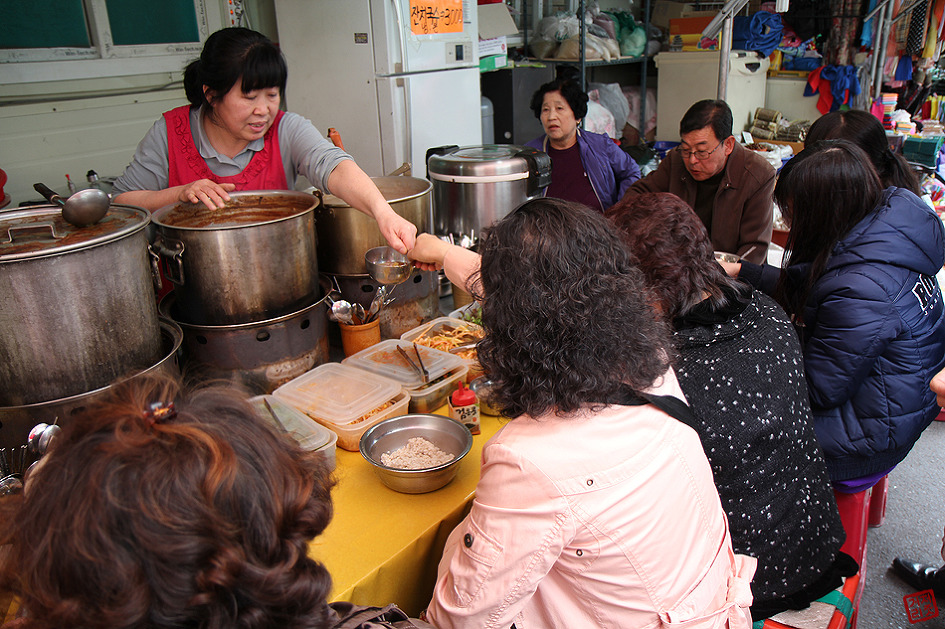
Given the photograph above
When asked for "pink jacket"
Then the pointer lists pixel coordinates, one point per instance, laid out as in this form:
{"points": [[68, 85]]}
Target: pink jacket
{"points": [[606, 519]]}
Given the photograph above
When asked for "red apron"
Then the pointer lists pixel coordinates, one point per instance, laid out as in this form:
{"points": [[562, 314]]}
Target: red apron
{"points": [[185, 165]]}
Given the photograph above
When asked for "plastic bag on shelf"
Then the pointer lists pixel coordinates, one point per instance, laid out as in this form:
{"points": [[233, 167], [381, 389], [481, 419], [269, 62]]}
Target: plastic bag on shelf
{"points": [[543, 48], [558, 27], [633, 41], [598, 118], [612, 97], [571, 49]]}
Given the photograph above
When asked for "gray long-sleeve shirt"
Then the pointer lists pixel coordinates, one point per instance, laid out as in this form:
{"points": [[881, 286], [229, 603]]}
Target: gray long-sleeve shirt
{"points": [[304, 152]]}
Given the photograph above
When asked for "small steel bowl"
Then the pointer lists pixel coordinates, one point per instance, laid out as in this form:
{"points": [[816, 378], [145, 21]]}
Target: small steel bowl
{"points": [[446, 434], [722, 256], [386, 265]]}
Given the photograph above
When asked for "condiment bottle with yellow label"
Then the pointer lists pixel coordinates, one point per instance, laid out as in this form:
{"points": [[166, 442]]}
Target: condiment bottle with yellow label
{"points": [[464, 408]]}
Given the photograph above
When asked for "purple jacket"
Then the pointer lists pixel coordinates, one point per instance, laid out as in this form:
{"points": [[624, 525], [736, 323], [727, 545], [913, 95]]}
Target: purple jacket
{"points": [[609, 168]]}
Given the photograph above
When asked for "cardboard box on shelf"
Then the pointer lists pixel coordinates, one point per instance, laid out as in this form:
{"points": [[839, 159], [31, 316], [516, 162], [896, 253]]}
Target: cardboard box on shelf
{"points": [[493, 62], [494, 46], [663, 12], [495, 23], [689, 25]]}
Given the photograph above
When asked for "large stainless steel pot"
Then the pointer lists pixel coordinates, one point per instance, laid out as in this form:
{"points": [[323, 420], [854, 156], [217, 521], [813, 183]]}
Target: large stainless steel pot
{"points": [[345, 234], [261, 355], [475, 186], [253, 259], [77, 309], [17, 421]]}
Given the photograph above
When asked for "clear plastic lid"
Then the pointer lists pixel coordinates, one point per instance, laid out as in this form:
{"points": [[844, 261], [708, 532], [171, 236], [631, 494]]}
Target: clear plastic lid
{"points": [[309, 434], [338, 393], [386, 360]]}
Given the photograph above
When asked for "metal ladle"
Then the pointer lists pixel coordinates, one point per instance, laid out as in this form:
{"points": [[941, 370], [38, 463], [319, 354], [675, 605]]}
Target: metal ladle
{"points": [[83, 208]]}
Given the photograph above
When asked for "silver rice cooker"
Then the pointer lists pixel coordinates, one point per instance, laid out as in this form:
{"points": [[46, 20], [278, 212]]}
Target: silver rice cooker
{"points": [[475, 186]]}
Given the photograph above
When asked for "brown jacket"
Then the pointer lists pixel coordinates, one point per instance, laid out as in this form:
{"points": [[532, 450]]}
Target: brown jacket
{"points": [[744, 210]]}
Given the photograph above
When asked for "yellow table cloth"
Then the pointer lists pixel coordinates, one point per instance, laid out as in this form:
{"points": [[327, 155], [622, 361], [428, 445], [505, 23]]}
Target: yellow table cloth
{"points": [[383, 546]]}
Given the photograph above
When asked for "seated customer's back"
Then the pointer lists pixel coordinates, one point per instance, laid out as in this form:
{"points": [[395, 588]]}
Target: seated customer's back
{"points": [[741, 368], [166, 509]]}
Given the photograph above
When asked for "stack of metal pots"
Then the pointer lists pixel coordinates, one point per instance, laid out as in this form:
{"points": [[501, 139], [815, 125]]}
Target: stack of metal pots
{"points": [[77, 314], [246, 286], [346, 234]]}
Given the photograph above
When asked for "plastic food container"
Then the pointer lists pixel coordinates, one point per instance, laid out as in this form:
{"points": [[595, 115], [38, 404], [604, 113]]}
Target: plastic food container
{"points": [[308, 434], [446, 325], [444, 369], [344, 399]]}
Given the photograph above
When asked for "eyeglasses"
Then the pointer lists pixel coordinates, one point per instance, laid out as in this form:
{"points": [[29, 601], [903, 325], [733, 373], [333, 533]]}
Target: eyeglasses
{"points": [[700, 155]]}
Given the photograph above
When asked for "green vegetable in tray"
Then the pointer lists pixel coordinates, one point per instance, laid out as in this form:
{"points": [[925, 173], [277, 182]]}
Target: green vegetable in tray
{"points": [[473, 314]]}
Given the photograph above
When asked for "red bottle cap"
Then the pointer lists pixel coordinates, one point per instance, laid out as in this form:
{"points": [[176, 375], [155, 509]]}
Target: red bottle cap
{"points": [[463, 396]]}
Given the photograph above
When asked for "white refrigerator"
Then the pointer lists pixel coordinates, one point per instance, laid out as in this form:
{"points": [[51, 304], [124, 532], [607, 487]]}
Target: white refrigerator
{"points": [[373, 70]]}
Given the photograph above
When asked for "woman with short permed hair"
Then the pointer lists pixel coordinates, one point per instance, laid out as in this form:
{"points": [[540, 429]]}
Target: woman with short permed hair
{"points": [[595, 505], [586, 167], [167, 508]]}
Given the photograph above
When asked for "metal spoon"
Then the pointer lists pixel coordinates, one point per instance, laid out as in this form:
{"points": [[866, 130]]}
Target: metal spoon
{"points": [[360, 314], [40, 436], [376, 303], [85, 207], [341, 310]]}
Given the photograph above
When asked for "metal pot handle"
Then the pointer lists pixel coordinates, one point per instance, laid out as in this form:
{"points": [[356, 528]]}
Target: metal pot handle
{"points": [[539, 168], [175, 266], [33, 227]]}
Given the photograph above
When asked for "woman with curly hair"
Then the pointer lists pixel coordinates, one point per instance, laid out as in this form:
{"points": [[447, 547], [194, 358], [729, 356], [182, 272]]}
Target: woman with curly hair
{"points": [[595, 506], [585, 167], [165, 508], [741, 368]]}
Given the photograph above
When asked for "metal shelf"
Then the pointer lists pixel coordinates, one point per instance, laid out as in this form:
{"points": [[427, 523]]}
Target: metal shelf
{"points": [[593, 62], [583, 63]]}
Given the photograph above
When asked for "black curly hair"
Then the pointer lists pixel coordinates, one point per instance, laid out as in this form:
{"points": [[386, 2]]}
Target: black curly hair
{"points": [[568, 316], [570, 90]]}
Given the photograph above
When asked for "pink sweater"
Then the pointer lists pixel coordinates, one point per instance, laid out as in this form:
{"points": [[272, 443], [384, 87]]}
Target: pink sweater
{"points": [[607, 519]]}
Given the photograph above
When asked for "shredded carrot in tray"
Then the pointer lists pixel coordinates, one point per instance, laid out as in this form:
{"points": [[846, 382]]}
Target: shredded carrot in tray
{"points": [[447, 339]]}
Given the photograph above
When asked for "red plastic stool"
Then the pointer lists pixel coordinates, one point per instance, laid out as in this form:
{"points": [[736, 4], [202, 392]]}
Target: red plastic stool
{"points": [[878, 502], [854, 514]]}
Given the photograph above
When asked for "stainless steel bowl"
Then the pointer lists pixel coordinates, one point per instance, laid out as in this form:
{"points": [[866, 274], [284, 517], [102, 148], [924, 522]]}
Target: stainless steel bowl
{"points": [[446, 434], [723, 256], [482, 387], [386, 265]]}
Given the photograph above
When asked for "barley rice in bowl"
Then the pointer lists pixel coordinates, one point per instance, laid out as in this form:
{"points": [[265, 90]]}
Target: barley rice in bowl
{"points": [[395, 438]]}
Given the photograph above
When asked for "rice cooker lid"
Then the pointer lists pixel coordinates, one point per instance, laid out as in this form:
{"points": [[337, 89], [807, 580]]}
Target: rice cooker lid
{"points": [[500, 162], [40, 231]]}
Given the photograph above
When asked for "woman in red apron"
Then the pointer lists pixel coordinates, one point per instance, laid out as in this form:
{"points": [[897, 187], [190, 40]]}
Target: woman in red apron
{"points": [[233, 136]]}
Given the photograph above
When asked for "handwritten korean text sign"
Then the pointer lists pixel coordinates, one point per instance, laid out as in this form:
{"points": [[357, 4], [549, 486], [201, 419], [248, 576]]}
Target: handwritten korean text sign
{"points": [[431, 17]]}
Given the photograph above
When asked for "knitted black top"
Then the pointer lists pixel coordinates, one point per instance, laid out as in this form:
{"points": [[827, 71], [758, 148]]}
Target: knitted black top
{"points": [[742, 370]]}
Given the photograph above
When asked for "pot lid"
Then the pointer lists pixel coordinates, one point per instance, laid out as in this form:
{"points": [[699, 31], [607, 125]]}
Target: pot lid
{"points": [[482, 161], [40, 231], [244, 209], [394, 189]]}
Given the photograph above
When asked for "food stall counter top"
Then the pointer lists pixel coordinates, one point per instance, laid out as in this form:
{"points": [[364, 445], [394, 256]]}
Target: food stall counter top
{"points": [[382, 546]]}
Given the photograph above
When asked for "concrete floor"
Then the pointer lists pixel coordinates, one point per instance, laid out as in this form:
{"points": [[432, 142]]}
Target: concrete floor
{"points": [[915, 517]]}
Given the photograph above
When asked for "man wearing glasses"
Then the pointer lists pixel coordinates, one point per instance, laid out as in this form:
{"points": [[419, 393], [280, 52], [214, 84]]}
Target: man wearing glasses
{"points": [[729, 186]]}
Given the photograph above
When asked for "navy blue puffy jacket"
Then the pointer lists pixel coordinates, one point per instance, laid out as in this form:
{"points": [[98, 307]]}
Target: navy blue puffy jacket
{"points": [[875, 336]]}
